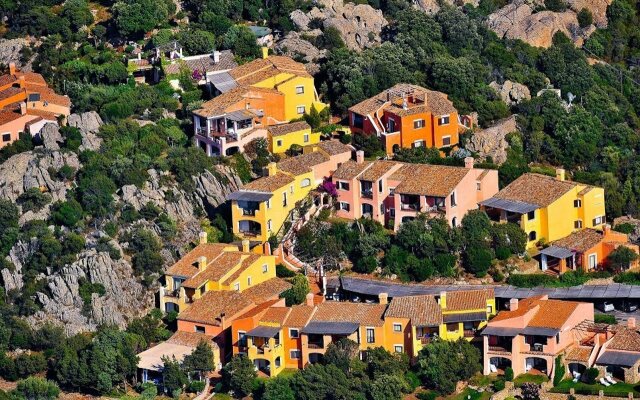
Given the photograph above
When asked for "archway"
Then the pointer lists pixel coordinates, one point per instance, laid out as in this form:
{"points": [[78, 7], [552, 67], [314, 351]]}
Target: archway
{"points": [[232, 150], [536, 365], [499, 364], [170, 307], [263, 366], [616, 371], [315, 358]]}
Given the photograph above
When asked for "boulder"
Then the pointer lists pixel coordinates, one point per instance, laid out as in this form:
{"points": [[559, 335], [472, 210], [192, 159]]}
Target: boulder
{"points": [[10, 52], [51, 137], [89, 124], [597, 7], [491, 142], [293, 45], [511, 92], [433, 6]]}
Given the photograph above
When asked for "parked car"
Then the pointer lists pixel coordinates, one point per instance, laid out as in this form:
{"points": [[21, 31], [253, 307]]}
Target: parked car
{"points": [[629, 306], [606, 306]]}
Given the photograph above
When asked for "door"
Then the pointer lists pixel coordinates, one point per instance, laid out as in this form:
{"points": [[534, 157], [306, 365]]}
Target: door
{"points": [[593, 261]]}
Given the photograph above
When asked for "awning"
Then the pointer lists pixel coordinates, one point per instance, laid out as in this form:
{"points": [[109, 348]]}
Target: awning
{"points": [[223, 81], [330, 328], [536, 331], [240, 115], [151, 359], [509, 205], [465, 317], [266, 332], [621, 358], [557, 252], [242, 195], [500, 331]]}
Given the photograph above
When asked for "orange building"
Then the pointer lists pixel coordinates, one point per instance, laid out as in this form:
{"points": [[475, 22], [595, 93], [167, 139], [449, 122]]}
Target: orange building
{"points": [[406, 116]]}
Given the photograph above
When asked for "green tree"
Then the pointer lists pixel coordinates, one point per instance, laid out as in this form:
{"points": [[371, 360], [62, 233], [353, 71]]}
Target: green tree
{"points": [[133, 17], [96, 195], [297, 294], [238, 375], [341, 353], [200, 360], [242, 41], [33, 200], [78, 13], [151, 327], [113, 358], [441, 364], [67, 213], [278, 389], [197, 41], [35, 388], [8, 225], [621, 258], [173, 376], [585, 17]]}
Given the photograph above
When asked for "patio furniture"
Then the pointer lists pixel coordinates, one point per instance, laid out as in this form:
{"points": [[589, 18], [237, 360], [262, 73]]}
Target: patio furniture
{"points": [[604, 382], [493, 368], [610, 379]]}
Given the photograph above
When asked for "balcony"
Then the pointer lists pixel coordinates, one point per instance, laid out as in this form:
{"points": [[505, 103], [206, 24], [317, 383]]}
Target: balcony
{"points": [[500, 349], [469, 333], [410, 206], [366, 189], [251, 212], [536, 348], [316, 345]]}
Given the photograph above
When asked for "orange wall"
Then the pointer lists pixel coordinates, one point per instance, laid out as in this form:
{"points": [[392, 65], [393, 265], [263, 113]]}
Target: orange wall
{"points": [[14, 128], [403, 338], [271, 103], [291, 344], [188, 326], [450, 129], [50, 107], [18, 97], [244, 325], [409, 134]]}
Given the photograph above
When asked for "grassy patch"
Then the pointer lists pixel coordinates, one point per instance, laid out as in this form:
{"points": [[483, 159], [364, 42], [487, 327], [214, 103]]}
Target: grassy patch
{"points": [[524, 378], [605, 319], [470, 394], [620, 389], [287, 373], [482, 380], [222, 396]]}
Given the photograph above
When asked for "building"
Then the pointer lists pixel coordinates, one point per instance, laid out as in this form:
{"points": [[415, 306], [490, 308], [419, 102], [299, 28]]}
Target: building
{"points": [[27, 104], [532, 333], [548, 208], [584, 250], [212, 267], [392, 192], [281, 137], [261, 207], [407, 116], [413, 321]]}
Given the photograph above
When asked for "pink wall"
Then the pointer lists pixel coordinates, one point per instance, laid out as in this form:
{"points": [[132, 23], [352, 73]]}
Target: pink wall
{"points": [[14, 128]]}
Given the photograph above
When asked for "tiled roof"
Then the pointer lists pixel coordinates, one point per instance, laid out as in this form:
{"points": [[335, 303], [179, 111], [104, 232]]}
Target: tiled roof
{"points": [[550, 314], [524, 306], [247, 261], [276, 315], [468, 300], [579, 353], [334, 147], [209, 307], [264, 68], [284, 129], [32, 78], [49, 95], [350, 170], [422, 310], [580, 241], [300, 164], [220, 104], [625, 339], [537, 189], [187, 265], [430, 180], [8, 116], [436, 103], [7, 79], [203, 62], [269, 183], [41, 113], [10, 92], [216, 269], [191, 339], [299, 315], [378, 169], [361, 313]]}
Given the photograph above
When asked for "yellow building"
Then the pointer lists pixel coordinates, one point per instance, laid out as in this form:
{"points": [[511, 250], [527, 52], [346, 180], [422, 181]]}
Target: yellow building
{"points": [[213, 267], [548, 208], [282, 74], [266, 342], [413, 321], [282, 137]]}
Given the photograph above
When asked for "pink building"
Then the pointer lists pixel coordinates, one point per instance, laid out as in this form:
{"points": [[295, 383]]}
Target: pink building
{"points": [[532, 334], [19, 119], [393, 192]]}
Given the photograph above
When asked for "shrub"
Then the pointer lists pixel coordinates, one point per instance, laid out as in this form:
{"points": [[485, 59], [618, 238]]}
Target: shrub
{"points": [[555, 5], [413, 380], [346, 138], [605, 319], [560, 371], [631, 278], [498, 385], [590, 375], [585, 18], [284, 272], [625, 228], [427, 396], [508, 374], [196, 387], [502, 253]]}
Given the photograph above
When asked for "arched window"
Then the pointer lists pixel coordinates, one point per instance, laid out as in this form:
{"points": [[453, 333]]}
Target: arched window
{"points": [[532, 235], [305, 182]]}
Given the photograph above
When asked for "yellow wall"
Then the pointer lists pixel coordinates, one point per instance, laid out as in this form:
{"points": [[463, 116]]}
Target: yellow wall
{"points": [[270, 354], [286, 83], [291, 139]]}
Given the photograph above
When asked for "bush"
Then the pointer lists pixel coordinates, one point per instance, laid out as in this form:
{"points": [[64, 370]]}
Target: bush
{"points": [[508, 374], [413, 380], [196, 387], [498, 385], [585, 18], [502, 253], [625, 228], [559, 372], [555, 5], [427, 396], [590, 375], [631, 278], [605, 319], [284, 272], [346, 138]]}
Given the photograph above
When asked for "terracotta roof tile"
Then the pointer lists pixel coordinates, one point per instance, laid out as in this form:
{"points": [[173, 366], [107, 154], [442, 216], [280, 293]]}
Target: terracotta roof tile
{"points": [[284, 129], [187, 265], [299, 315], [216, 269], [428, 101], [579, 353], [247, 261], [191, 339], [468, 300], [300, 164], [430, 180], [625, 339], [7, 79], [423, 310], [269, 183], [220, 104], [537, 189], [334, 147], [361, 313], [350, 169], [276, 315], [203, 62], [32, 78], [378, 169], [580, 241], [8, 116], [10, 92], [264, 68]]}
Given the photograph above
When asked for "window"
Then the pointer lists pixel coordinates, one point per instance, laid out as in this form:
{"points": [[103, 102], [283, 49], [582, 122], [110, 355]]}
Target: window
{"points": [[489, 309], [397, 327], [454, 222], [269, 225], [294, 333], [284, 199], [598, 220], [248, 281], [446, 140], [278, 362], [380, 186], [444, 120], [299, 89], [6, 137], [242, 339], [305, 182], [593, 260], [418, 143], [531, 215], [306, 138], [291, 189], [577, 224], [533, 235], [202, 290], [199, 329], [279, 142], [392, 191], [300, 109], [236, 287], [478, 186], [453, 199], [397, 348], [371, 335], [265, 268], [344, 206], [268, 204], [558, 338], [392, 212], [343, 185], [418, 123], [577, 203], [294, 354]]}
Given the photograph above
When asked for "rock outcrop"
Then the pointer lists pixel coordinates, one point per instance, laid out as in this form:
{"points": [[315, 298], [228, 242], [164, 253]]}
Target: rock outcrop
{"points": [[51, 137], [89, 124], [433, 6], [491, 142], [359, 24], [511, 92], [296, 46], [10, 52]]}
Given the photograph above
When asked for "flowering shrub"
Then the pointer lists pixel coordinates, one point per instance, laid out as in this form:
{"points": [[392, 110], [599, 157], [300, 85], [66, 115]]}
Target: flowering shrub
{"points": [[328, 187]]}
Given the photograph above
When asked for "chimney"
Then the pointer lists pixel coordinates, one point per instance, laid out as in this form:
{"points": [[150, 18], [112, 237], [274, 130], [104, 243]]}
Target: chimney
{"points": [[245, 246], [359, 156], [272, 169], [606, 230], [23, 108], [265, 52], [202, 263], [443, 300], [405, 105], [21, 81], [468, 162], [383, 298], [513, 304], [631, 323], [202, 237], [388, 95], [309, 299], [216, 56], [560, 174], [12, 68]]}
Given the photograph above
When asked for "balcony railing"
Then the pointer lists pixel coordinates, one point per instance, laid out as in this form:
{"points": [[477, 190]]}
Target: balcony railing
{"points": [[172, 293], [249, 211], [536, 348], [315, 345], [250, 233], [410, 206], [425, 340], [436, 209], [469, 333], [500, 349], [367, 194]]}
